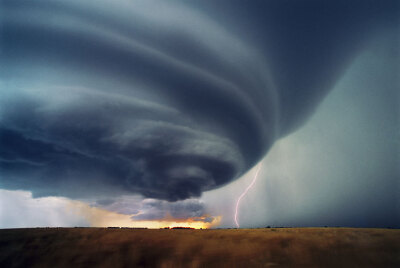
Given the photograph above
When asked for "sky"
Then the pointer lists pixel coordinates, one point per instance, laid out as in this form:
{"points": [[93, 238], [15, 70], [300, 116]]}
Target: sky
{"points": [[154, 113]]}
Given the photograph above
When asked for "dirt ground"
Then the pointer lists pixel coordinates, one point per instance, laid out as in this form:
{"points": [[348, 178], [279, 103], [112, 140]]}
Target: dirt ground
{"points": [[267, 247]]}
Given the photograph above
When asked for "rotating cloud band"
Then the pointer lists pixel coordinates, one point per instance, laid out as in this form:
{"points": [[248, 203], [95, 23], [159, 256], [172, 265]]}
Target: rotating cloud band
{"points": [[243, 194]]}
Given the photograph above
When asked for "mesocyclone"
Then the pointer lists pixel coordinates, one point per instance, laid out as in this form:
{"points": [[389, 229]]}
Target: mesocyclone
{"points": [[164, 99]]}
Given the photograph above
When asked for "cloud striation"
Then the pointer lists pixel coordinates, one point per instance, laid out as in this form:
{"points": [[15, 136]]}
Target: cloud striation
{"points": [[167, 99]]}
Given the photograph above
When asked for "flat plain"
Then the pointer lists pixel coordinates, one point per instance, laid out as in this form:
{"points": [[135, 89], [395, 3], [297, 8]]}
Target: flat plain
{"points": [[264, 247]]}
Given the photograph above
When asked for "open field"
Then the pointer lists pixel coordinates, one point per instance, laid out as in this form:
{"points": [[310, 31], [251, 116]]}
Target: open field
{"points": [[293, 247]]}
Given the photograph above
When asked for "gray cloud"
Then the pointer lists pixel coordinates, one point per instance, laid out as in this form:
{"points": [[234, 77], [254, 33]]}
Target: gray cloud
{"points": [[127, 205], [341, 168], [167, 100], [152, 209]]}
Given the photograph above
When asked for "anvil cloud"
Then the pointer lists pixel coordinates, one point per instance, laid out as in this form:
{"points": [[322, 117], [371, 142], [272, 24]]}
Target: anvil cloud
{"points": [[166, 99]]}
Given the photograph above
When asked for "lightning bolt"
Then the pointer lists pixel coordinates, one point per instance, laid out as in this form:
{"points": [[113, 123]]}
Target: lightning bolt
{"points": [[243, 194]]}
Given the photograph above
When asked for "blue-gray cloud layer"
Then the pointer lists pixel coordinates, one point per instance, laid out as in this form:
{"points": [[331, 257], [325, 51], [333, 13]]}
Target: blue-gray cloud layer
{"points": [[165, 99], [152, 209]]}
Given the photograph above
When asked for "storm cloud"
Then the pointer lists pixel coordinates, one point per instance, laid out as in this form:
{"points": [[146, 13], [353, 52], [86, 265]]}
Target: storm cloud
{"points": [[164, 99], [152, 209], [148, 209]]}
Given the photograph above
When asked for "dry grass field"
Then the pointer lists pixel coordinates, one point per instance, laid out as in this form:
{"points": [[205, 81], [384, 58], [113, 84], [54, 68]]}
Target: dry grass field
{"points": [[269, 247]]}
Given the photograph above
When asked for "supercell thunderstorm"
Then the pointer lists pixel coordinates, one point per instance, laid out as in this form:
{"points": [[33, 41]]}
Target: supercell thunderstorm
{"points": [[158, 98]]}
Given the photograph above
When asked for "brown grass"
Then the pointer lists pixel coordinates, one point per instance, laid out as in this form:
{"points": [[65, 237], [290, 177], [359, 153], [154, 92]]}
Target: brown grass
{"points": [[275, 247]]}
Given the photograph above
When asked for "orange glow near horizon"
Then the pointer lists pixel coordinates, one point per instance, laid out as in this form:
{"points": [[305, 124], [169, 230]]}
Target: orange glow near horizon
{"points": [[98, 217]]}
